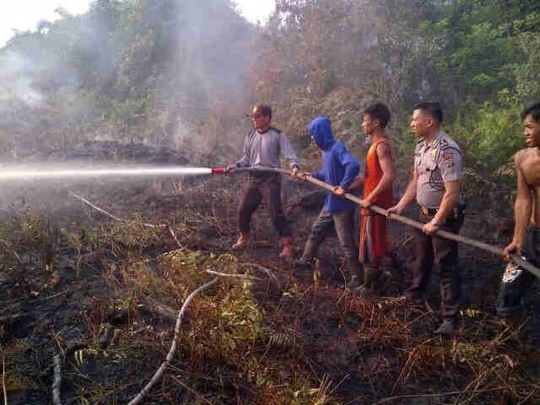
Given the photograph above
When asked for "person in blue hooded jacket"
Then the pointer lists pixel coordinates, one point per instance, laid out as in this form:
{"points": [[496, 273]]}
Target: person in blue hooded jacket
{"points": [[339, 169]]}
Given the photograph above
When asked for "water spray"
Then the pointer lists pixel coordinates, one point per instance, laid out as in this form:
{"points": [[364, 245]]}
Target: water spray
{"points": [[14, 174], [29, 174]]}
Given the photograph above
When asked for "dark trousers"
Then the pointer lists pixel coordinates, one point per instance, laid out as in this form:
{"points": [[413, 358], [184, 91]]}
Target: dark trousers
{"points": [[512, 290], [442, 254], [261, 186], [343, 222]]}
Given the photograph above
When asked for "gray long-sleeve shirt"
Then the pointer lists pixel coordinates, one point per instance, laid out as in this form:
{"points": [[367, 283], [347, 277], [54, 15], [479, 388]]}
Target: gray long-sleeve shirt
{"points": [[265, 149]]}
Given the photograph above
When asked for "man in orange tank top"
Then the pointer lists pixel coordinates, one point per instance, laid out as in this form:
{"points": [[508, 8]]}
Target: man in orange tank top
{"points": [[378, 184]]}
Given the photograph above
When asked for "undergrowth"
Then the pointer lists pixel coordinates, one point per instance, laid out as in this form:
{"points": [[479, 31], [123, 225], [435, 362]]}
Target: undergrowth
{"points": [[259, 336]]}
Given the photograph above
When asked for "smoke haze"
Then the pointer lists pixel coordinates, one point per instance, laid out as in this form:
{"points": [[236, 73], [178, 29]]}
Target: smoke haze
{"points": [[149, 71]]}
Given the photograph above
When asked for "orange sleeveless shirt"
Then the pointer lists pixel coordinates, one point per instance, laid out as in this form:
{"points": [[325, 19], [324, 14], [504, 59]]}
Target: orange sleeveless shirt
{"points": [[374, 175]]}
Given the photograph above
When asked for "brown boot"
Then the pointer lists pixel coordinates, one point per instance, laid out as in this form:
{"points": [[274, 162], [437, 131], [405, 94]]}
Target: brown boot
{"points": [[242, 241], [288, 248]]}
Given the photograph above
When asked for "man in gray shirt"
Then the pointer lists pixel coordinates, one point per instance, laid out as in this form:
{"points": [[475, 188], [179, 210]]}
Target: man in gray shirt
{"points": [[436, 185], [263, 146]]}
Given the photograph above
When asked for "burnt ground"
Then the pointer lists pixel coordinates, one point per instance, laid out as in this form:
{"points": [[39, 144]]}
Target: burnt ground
{"points": [[104, 295]]}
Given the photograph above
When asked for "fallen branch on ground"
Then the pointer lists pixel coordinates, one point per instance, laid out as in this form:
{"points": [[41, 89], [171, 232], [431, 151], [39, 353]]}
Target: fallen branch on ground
{"points": [[244, 276], [268, 272], [57, 382], [159, 373], [169, 228]]}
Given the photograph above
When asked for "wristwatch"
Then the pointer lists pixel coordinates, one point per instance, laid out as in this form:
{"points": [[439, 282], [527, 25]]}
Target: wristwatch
{"points": [[435, 223]]}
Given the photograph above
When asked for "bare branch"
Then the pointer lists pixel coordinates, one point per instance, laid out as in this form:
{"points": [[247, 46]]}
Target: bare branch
{"points": [[159, 373], [57, 382], [169, 228], [244, 276]]}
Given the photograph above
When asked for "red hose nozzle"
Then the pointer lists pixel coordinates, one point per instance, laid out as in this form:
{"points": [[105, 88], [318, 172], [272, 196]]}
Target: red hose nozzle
{"points": [[220, 170]]}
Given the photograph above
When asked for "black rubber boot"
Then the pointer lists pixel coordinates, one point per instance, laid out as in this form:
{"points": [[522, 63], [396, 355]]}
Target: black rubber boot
{"points": [[354, 283], [375, 280], [304, 266], [354, 272], [310, 250]]}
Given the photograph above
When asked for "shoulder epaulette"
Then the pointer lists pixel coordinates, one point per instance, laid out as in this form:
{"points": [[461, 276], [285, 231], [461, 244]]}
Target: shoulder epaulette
{"points": [[449, 143]]}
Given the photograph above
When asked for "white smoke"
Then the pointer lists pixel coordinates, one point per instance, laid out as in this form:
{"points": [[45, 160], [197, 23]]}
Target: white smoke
{"points": [[16, 75]]}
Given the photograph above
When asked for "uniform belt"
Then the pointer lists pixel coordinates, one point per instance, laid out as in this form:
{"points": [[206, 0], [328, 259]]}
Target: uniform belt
{"points": [[428, 211], [457, 212]]}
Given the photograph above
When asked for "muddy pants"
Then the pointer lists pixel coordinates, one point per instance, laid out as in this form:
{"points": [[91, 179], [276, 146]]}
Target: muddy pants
{"points": [[261, 186], [442, 254], [343, 222], [515, 284]]}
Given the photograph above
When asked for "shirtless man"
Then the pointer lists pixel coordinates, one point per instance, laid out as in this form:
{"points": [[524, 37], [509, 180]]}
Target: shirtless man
{"points": [[526, 240]]}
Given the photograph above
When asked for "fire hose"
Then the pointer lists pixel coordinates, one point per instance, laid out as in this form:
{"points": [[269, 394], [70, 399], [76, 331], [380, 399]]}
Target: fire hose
{"points": [[407, 221]]}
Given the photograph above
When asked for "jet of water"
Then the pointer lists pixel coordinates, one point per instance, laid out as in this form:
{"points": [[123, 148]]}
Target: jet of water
{"points": [[29, 174]]}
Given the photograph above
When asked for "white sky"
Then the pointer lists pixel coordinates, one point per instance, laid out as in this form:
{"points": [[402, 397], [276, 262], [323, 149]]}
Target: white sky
{"points": [[23, 15], [253, 10]]}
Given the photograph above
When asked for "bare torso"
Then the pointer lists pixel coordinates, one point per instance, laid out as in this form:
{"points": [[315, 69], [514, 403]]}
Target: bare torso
{"points": [[529, 164]]}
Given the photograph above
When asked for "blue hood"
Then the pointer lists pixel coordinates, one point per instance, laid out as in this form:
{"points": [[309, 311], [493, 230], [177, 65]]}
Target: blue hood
{"points": [[339, 167], [321, 130]]}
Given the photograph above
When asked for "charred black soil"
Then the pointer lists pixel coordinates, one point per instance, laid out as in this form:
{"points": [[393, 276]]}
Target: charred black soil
{"points": [[104, 295]]}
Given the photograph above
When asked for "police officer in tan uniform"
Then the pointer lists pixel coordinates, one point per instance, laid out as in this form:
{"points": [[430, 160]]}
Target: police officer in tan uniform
{"points": [[436, 186]]}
